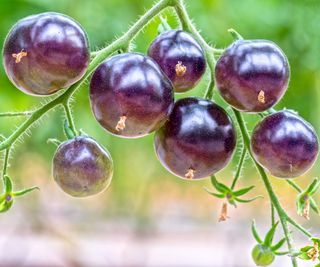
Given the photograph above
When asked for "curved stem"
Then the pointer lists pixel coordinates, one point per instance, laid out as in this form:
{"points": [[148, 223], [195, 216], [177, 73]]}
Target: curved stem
{"points": [[101, 55], [209, 51], [122, 44], [284, 218], [240, 166], [273, 198]]}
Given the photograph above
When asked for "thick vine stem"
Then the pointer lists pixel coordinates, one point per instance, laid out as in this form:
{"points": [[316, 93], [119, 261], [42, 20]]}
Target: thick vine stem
{"points": [[209, 51], [284, 218], [101, 55], [122, 44]]}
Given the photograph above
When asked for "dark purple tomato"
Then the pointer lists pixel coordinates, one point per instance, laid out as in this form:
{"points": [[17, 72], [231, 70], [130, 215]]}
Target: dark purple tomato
{"points": [[252, 75], [81, 167], [285, 144], [45, 53], [130, 95], [198, 139], [180, 57]]}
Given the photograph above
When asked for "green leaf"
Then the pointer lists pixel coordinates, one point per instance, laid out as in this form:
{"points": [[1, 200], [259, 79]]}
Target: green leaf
{"points": [[313, 187], [278, 245], [304, 256], [255, 232], [232, 201], [315, 240], [269, 237], [306, 248], [300, 203], [24, 191], [5, 206], [318, 265], [7, 184], [219, 186], [314, 205], [214, 194], [247, 200], [242, 191]]}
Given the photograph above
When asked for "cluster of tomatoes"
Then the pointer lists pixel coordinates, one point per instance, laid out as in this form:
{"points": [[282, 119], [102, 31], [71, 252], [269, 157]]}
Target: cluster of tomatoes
{"points": [[132, 95]]}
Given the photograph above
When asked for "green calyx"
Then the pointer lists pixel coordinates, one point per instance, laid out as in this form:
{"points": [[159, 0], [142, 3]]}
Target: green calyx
{"points": [[265, 251], [304, 200], [235, 35], [310, 252], [8, 195], [163, 26], [232, 196]]}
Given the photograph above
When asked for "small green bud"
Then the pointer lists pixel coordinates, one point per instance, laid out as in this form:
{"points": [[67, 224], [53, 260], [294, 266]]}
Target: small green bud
{"points": [[262, 255]]}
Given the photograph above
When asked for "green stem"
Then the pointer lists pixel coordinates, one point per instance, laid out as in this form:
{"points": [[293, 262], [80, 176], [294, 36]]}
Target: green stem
{"points": [[101, 55], [15, 114], [273, 220], [67, 110], [294, 185], [209, 51], [299, 227], [240, 167], [6, 161], [284, 218]]}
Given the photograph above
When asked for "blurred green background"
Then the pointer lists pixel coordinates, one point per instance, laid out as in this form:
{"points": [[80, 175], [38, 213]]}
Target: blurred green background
{"points": [[145, 204]]}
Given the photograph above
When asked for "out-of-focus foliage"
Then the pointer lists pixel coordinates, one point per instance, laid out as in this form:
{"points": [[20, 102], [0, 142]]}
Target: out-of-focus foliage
{"points": [[293, 25]]}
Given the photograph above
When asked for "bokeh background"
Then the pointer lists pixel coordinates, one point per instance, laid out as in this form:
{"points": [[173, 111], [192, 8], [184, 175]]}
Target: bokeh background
{"points": [[149, 217]]}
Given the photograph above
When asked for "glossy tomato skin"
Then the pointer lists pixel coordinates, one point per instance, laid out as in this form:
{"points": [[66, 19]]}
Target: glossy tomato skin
{"points": [[81, 167], [131, 86], [55, 53], [180, 57], [252, 75], [198, 137], [285, 144]]}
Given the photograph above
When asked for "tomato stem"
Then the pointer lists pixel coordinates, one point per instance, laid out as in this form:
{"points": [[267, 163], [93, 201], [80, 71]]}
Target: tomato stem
{"points": [[123, 43], [284, 218], [68, 112], [6, 161], [240, 167]]}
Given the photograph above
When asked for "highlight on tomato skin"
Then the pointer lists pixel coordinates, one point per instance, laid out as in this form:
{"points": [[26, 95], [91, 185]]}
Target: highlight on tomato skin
{"points": [[180, 57], [46, 52], [285, 144], [130, 96], [82, 168], [252, 75], [198, 140]]}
